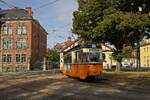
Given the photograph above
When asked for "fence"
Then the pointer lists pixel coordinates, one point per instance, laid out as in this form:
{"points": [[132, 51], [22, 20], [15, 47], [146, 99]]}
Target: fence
{"points": [[131, 69], [49, 65], [17, 68]]}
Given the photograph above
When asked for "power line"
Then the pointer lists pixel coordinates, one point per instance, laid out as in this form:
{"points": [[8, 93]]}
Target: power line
{"points": [[65, 25], [61, 27], [9, 5], [44, 5]]}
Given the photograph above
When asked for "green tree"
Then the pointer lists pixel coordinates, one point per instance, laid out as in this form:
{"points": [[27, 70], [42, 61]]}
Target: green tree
{"points": [[53, 55], [128, 52], [132, 5], [1, 20], [117, 22], [87, 16], [58, 47]]}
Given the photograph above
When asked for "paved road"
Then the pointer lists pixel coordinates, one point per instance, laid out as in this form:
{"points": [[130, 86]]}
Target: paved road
{"points": [[46, 86]]}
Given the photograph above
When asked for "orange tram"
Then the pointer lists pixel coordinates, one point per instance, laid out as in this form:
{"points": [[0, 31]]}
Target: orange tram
{"points": [[82, 61]]}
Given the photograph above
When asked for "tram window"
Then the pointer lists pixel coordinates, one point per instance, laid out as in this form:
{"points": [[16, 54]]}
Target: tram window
{"points": [[94, 57], [67, 59], [85, 58], [78, 57], [91, 57]]}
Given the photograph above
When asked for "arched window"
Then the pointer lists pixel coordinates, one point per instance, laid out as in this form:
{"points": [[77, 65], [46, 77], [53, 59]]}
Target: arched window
{"points": [[7, 58], [21, 43], [20, 58], [7, 43], [21, 29], [6, 29]]}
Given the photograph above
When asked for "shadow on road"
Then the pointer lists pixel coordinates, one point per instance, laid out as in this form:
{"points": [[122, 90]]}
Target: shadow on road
{"points": [[58, 87]]}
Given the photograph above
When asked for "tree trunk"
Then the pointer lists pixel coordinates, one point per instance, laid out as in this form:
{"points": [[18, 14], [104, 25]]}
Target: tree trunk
{"points": [[118, 67]]}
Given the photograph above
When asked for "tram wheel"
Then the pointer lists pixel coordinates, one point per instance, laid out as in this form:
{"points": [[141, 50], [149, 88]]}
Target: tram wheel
{"points": [[90, 78]]}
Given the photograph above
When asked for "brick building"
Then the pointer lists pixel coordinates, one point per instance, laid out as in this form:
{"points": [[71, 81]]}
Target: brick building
{"points": [[23, 41]]}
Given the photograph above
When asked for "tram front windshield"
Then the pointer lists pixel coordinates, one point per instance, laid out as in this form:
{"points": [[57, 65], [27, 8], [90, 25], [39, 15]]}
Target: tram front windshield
{"points": [[92, 57]]}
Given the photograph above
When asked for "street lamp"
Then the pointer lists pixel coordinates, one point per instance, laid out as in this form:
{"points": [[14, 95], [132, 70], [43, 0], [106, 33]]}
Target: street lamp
{"points": [[140, 9], [137, 44], [138, 60], [147, 33]]}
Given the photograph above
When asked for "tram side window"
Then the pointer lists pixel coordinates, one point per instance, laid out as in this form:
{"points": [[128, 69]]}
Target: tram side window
{"points": [[85, 58], [67, 59], [78, 57]]}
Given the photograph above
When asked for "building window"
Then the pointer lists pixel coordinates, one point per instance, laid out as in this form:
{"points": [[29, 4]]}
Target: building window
{"points": [[144, 49], [21, 29], [7, 43], [147, 49], [21, 43], [144, 58], [6, 29], [20, 58], [147, 58], [7, 58]]}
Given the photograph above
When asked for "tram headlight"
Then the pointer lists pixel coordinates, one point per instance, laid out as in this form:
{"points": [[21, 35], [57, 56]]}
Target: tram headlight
{"points": [[94, 69]]}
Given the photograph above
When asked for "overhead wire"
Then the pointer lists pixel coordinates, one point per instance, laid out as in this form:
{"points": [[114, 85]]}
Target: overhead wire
{"points": [[44, 5], [65, 25], [7, 4], [61, 27], [53, 30], [70, 34]]}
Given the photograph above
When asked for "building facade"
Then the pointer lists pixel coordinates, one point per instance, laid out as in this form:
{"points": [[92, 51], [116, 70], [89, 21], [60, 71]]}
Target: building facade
{"points": [[23, 41], [108, 62], [145, 53]]}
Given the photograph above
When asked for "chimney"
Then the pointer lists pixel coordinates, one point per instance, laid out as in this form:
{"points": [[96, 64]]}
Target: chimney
{"points": [[29, 10], [69, 42], [69, 38]]}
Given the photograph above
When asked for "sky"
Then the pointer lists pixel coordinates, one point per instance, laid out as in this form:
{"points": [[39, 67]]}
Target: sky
{"points": [[54, 15]]}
